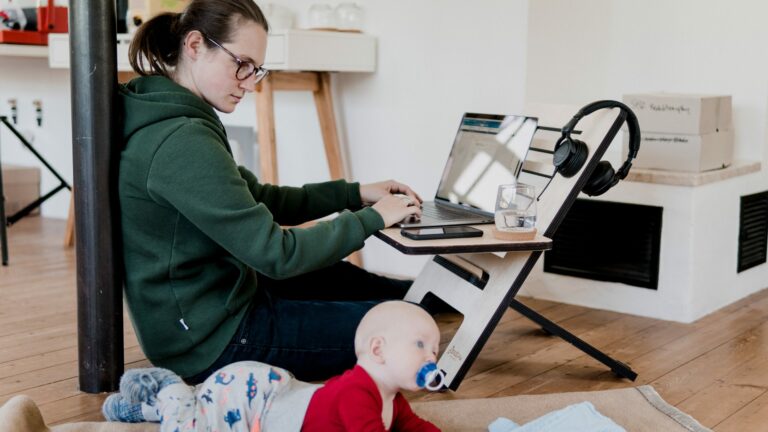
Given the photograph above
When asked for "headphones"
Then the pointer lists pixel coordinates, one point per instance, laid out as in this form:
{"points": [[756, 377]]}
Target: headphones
{"points": [[571, 154]]}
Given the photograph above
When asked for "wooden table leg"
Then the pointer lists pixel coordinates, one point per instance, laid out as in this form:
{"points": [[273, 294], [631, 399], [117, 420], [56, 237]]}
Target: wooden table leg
{"points": [[125, 76], [69, 233], [265, 117], [327, 118], [3, 230]]}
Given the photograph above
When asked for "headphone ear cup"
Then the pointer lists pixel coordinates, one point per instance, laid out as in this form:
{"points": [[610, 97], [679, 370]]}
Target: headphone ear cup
{"points": [[570, 156], [601, 180]]}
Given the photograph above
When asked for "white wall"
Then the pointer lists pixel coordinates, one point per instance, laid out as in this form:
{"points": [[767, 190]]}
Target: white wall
{"points": [[594, 49], [27, 79], [591, 49]]}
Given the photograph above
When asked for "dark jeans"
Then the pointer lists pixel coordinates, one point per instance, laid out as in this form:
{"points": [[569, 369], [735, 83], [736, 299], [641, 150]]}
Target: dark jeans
{"points": [[306, 324]]}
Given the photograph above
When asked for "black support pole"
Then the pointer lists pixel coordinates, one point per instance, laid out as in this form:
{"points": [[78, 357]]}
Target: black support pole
{"points": [[95, 152]]}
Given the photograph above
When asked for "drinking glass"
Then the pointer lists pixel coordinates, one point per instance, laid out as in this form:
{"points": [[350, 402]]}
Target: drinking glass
{"points": [[516, 208]]}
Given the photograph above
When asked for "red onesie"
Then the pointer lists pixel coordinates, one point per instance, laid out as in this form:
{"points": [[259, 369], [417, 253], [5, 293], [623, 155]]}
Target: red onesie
{"points": [[351, 402]]}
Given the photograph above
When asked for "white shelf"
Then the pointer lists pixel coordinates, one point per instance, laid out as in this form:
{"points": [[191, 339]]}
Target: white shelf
{"points": [[321, 51], [292, 50], [58, 51], [680, 178], [18, 50]]}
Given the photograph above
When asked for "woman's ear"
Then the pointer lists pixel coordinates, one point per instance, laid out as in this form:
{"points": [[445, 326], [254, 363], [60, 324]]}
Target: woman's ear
{"points": [[193, 44], [376, 349]]}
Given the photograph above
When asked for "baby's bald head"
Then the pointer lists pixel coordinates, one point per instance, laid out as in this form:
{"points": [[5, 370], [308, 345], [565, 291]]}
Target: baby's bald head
{"points": [[391, 318]]}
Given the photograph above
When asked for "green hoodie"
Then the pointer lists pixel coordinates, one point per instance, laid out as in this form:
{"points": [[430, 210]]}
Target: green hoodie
{"points": [[196, 226]]}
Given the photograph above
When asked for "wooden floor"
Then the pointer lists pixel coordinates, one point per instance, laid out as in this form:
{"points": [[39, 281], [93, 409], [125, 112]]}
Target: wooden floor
{"points": [[715, 369]]}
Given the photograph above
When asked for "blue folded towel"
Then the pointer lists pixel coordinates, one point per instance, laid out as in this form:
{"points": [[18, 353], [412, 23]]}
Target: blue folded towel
{"points": [[580, 417]]}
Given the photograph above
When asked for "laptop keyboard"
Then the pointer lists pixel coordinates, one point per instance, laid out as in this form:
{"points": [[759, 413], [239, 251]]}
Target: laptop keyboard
{"points": [[437, 212]]}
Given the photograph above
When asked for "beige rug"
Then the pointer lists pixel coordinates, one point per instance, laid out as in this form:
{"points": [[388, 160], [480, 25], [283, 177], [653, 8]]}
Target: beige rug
{"points": [[636, 409]]}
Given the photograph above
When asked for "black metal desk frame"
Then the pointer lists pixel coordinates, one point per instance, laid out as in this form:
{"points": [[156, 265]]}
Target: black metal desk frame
{"points": [[12, 219]]}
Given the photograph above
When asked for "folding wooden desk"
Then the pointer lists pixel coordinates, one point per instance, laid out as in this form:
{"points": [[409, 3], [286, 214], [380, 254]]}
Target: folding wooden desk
{"points": [[470, 275]]}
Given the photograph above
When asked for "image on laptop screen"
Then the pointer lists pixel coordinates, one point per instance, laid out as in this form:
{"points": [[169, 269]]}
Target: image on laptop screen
{"points": [[489, 150]]}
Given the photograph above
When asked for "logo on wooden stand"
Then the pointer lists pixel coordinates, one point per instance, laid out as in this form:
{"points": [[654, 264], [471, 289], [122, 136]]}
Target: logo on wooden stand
{"points": [[454, 353]]}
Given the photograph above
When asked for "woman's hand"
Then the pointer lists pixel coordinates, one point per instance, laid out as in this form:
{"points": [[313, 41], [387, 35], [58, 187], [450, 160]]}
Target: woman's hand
{"points": [[373, 192], [394, 208]]}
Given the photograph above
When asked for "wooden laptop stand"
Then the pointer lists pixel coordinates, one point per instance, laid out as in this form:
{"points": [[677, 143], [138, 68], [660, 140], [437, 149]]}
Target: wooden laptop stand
{"points": [[470, 275]]}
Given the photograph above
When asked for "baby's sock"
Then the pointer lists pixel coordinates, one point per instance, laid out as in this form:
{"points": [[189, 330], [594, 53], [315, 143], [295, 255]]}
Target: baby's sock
{"points": [[143, 385], [116, 408], [137, 399]]}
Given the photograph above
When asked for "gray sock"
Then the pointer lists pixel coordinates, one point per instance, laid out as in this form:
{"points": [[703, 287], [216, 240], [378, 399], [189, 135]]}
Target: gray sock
{"points": [[116, 408]]}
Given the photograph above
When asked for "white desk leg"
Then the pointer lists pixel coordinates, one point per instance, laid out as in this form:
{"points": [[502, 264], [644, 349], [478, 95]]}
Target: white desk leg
{"points": [[482, 308], [449, 287]]}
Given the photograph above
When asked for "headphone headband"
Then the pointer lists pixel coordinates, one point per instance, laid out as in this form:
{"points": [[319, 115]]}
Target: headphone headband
{"points": [[632, 125]]}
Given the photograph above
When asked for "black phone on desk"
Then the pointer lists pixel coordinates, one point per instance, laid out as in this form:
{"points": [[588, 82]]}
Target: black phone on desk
{"points": [[446, 232]]}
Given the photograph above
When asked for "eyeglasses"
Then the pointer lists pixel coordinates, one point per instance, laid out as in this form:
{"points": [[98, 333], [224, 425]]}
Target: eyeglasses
{"points": [[245, 68]]}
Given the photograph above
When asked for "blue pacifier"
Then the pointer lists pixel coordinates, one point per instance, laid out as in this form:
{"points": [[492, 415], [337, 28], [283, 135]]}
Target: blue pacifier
{"points": [[430, 377]]}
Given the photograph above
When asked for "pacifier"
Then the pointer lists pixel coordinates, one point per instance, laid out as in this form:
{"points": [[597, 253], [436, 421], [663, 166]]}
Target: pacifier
{"points": [[430, 377]]}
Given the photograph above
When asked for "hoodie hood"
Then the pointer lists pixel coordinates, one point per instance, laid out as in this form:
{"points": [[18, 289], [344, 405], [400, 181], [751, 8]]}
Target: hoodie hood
{"points": [[154, 99]]}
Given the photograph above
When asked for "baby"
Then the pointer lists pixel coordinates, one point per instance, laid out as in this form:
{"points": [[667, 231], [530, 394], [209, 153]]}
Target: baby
{"points": [[396, 345]]}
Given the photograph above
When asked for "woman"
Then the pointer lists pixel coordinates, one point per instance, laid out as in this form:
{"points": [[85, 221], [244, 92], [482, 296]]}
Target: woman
{"points": [[211, 277]]}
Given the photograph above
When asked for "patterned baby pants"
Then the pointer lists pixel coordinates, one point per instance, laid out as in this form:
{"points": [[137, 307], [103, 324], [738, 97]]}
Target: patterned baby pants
{"points": [[236, 398]]}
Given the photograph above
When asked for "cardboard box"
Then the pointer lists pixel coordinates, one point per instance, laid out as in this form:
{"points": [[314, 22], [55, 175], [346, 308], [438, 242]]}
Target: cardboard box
{"points": [[21, 187], [675, 152], [676, 113]]}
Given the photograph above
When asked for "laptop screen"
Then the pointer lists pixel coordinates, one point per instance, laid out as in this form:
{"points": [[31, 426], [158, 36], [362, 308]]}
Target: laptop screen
{"points": [[489, 150]]}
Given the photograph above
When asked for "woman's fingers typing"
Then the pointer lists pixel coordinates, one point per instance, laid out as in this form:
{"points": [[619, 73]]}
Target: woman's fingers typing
{"points": [[407, 191], [394, 208], [373, 192]]}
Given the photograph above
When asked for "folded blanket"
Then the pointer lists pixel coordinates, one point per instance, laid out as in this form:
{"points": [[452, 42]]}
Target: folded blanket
{"points": [[573, 418]]}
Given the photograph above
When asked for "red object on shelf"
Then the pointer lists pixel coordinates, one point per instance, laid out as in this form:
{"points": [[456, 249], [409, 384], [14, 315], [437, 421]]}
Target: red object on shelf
{"points": [[50, 19]]}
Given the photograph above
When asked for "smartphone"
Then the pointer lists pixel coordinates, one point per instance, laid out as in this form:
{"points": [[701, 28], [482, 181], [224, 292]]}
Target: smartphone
{"points": [[441, 232]]}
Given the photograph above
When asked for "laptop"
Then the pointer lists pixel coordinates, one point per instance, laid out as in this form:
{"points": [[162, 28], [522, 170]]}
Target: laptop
{"points": [[489, 150]]}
